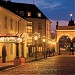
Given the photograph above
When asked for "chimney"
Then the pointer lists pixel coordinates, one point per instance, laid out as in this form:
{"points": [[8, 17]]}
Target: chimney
{"points": [[57, 25]]}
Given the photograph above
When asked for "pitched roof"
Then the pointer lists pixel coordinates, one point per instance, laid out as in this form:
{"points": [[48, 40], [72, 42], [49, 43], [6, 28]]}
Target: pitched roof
{"points": [[14, 7]]}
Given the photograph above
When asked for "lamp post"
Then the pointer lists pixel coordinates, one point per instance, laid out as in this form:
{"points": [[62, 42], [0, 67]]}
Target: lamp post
{"points": [[44, 45], [36, 37], [72, 47], [17, 41], [24, 37], [49, 46]]}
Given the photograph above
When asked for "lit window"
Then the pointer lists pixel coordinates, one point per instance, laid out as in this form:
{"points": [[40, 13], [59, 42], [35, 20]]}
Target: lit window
{"points": [[29, 13], [29, 27], [29, 40], [29, 23], [39, 14]]}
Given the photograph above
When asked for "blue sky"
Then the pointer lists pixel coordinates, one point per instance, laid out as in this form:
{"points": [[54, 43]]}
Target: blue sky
{"points": [[54, 9]]}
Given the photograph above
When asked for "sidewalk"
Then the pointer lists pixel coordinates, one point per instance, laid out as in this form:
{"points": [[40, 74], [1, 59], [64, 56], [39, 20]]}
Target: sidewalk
{"points": [[6, 65]]}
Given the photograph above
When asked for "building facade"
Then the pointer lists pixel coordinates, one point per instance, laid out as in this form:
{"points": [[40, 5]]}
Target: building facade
{"points": [[11, 26], [36, 22], [65, 38]]}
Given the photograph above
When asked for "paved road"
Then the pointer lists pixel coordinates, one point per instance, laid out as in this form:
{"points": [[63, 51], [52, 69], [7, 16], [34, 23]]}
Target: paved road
{"points": [[56, 65]]}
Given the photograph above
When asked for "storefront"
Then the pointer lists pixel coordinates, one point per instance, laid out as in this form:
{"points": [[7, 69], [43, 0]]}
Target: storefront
{"points": [[11, 46]]}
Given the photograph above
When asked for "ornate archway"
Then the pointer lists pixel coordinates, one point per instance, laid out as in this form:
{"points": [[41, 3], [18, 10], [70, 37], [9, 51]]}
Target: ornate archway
{"points": [[64, 44], [73, 41], [68, 30], [60, 34]]}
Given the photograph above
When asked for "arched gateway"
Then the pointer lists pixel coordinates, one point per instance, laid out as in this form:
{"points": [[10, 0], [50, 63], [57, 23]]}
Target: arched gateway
{"points": [[65, 38]]}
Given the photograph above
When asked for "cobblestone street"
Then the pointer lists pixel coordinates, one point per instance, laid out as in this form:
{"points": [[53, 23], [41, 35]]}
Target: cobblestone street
{"points": [[56, 65]]}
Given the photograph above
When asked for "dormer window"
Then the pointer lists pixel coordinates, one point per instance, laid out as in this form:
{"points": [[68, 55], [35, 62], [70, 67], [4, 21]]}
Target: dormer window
{"points": [[29, 14], [39, 14], [22, 13]]}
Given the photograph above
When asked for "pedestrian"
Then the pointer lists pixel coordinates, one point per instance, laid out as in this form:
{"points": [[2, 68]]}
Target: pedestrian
{"points": [[53, 50], [46, 53], [49, 52]]}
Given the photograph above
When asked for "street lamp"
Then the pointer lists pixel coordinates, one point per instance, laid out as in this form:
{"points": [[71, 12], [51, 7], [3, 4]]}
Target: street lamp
{"points": [[17, 41], [24, 37], [72, 47], [23, 42], [36, 37], [49, 46], [44, 45]]}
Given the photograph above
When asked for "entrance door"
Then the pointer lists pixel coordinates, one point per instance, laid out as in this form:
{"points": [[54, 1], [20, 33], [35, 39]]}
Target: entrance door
{"points": [[4, 54]]}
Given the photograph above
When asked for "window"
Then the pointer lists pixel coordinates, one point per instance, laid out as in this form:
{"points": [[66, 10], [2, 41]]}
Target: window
{"points": [[39, 14], [5, 22], [11, 24], [29, 40], [29, 31], [29, 27], [29, 14], [22, 13], [29, 23], [39, 26]]}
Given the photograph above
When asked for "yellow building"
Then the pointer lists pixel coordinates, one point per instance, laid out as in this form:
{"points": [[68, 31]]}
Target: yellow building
{"points": [[12, 26], [38, 23], [65, 38]]}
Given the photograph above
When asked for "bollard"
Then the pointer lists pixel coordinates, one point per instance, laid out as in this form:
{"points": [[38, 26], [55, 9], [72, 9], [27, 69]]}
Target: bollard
{"points": [[22, 60], [17, 61]]}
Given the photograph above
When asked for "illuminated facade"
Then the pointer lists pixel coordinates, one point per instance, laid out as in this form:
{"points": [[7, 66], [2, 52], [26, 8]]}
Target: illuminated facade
{"points": [[65, 38], [36, 22], [11, 26]]}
